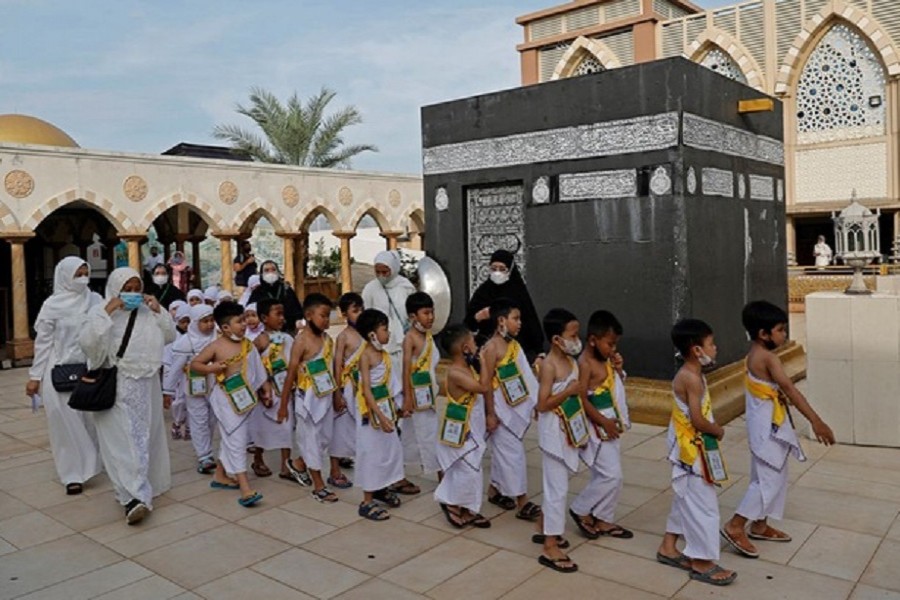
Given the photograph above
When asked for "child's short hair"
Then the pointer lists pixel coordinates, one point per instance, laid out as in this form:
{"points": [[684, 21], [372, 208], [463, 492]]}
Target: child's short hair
{"points": [[417, 301], [452, 336], [556, 320], [688, 333], [315, 300], [265, 306], [761, 316], [370, 320], [499, 308], [349, 300], [227, 310], [602, 322]]}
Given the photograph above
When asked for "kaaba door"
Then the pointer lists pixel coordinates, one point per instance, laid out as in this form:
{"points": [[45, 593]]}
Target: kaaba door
{"points": [[496, 221]]}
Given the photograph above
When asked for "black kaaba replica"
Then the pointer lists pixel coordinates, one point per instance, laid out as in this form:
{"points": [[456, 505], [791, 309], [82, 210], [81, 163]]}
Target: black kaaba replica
{"points": [[641, 190]]}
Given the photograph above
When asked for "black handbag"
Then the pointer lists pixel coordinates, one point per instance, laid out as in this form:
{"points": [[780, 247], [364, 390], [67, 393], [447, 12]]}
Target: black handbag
{"points": [[96, 390], [64, 377]]}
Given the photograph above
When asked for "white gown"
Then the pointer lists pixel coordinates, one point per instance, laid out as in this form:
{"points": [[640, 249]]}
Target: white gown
{"points": [[463, 482], [315, 421], [379, 455], [558, 460], [418, 432]]}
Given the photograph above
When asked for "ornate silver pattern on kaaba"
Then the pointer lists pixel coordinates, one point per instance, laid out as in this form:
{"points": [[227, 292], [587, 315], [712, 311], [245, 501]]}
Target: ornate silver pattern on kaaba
{"points": [[540, 191], [742, 186], [441, 199], [660, 182], [691, 180], [625, 136], [762, 187], [597, 185], [779, 190], [706, 134], [717, 182], [496, 221]]}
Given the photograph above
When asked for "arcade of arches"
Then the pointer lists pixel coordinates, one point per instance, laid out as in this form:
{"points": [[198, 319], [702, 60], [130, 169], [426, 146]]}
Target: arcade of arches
{"points": [[58, 200]]}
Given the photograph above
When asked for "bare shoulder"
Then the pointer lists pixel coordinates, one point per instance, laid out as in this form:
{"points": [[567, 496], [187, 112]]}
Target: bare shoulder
{"points": [[761, 362]]}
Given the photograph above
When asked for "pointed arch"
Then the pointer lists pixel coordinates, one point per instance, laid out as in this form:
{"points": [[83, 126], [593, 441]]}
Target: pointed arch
{"points": [[206, 212], [417, 217], [713, 38], [368, 208], [305, 218], [113, 213], [251, 214], [8, 220], [808, 38], [580, 49]]}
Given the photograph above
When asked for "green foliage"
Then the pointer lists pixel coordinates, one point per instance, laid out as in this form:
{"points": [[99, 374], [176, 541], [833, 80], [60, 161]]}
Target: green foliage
{"points": [[324, 263], [295, 133], [409, 266]]}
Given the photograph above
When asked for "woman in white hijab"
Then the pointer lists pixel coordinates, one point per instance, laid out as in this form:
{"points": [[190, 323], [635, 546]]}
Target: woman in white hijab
{"points": [[72, 438], [132, 433]]}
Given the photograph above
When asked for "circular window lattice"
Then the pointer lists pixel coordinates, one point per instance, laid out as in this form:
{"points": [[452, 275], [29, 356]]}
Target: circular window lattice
{"points": [[719, 61], [588, 65], [841, 90]]}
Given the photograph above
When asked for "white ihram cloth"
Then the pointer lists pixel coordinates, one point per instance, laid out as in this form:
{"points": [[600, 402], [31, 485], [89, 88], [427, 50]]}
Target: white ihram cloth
{"points": [[419, 431], [73, 440], [601, 495], [558, 460], [315, 421], [343, 435], [265, 430], [234, 429], [379, 455], [509, 473], [200, 416], [132, 434], [463, 482], [769, 451], [179, 401], [695, 505]]}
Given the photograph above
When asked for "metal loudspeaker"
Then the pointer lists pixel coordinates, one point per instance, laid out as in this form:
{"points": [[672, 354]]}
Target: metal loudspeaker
{"points": [[433, 281]]}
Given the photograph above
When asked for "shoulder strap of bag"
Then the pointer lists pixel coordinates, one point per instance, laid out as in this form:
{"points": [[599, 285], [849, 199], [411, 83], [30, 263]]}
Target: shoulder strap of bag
{"points": [[128, 331], [393, 307]]}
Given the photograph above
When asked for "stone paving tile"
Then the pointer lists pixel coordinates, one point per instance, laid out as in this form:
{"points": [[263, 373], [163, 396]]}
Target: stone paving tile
{"points": [[491, 578], [93, 584], [882, 571], [640, 573], [836, 552], [286, 526], [42, 494], [339, 514], [867, 592], [315, 575], [11, 506], [431, 568], [152, 588], [244, 584], [548, 584], [377, 588], [843, 511], [156, 535], [32, 529]]}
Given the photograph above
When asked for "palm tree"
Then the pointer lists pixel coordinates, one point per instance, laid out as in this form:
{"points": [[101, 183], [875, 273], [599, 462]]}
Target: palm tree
{"points": [[295, 133]]}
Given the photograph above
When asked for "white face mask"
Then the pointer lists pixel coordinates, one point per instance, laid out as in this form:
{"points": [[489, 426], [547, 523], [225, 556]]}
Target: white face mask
{"points": [[499, 277], [572, 348], [81, 283], [160, 279], [384, 280], [373, 341], [705, 361], [503, 331], [234, 338], [270, 277], [419, 327]]}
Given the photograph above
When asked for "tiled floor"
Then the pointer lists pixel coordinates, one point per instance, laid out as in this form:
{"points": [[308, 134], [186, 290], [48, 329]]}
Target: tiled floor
{"points": [[842, 512]]}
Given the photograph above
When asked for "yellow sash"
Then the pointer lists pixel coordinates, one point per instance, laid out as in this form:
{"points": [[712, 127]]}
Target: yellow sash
{"points": [[246, 347], [274, 353], [511, 356], [685, 434], [764, 391], [360, 396], [352, 365], [424, 361], [304, 379], [608, 384]]}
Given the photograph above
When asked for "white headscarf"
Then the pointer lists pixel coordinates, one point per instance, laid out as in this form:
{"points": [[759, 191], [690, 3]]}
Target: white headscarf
{"points": [[195, 293], [200, 340], [182, 312], [175, 306], [211, 293], [252, 284], [390, 298], [66, 300], [253, 332], [224, 295], [118, 279], [391, 261]]}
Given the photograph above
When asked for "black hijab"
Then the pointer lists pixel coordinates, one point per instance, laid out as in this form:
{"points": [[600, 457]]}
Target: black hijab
{"points": [[281, 291], [165, 294], [531, 337]]}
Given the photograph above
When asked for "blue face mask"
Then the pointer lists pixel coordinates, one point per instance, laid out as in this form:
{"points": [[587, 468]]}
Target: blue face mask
{"points": [[132, 300]]}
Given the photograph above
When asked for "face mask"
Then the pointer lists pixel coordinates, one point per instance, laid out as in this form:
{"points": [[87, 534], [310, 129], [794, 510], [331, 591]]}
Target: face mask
{"points": [[160, 279], [384, 280], [503, 331], [234, 338], [132, 300], [705, 361], [373, 341], [572, 348], [81, 283], [419, 327], [499, 277], [271, 277], [176, 260]]}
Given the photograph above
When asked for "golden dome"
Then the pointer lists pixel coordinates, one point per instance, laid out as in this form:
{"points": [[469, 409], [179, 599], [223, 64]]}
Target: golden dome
{"points": [[22, 129]]}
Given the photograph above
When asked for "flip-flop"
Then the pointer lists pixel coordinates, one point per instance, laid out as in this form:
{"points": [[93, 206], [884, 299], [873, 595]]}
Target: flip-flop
{"points": [[504, 502], [387, 497], [561, 542], [768, 537], [479, 521], [737, 547], [217, 485], [346, 463], [250, 500], [582, 526], [325, 496], [529, 512], [452, 517], [707, 576], [341, 482], [680, 562], [553, 563], [261, 470], [407, 488], [617, 532]]}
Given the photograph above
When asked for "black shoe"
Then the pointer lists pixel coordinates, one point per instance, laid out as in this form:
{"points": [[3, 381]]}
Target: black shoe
{"points": [[135, 511], [345, 463]]}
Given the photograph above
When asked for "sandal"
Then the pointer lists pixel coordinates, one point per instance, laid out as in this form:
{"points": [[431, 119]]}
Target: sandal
{"points": [[341, 482], [707, 576], [479, 521], [742, 550], [345, 463], [553, 563], [73, 489], [176, 432], [301, 477], [679, 562], [770, 535], [561, 542], [456, 519], [325, 496], [387, 497], [206, 466], [261, 470], [591, 534], [504, 502], [250, 500], [373, 512], [407, 488], [616, 531], [529, 512], [218, 485]]}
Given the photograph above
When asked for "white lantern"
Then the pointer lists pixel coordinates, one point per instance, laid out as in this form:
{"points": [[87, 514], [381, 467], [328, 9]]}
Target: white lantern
{"points": [[856, 236]]}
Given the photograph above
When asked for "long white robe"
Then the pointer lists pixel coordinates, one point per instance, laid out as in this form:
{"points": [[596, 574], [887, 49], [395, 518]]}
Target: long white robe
{"points": [[315, 421], [343, 436], [200, 416], [463, 482], [178, 408], [379, 455], [695, 505], [132, 433], [390, 298], [509, 472], [265, 430], [419, 431], [558, 460]]}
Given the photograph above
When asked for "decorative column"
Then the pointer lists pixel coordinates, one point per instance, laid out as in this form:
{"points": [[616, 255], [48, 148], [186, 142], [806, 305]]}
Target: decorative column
{"points": [[346, 265], [180, 239], [20, 346], [391, 237], [301, 256], [134, 250], [195, 259], [289, 245], [791, 241], [226, 262]]}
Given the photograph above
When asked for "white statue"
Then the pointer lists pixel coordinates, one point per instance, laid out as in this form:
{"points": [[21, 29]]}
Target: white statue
{"points": [[822, 252], [96, 259]]}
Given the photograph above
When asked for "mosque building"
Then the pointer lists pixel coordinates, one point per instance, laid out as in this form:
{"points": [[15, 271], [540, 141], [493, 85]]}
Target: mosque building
{"points": [[834, 63], [57, 199]]}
